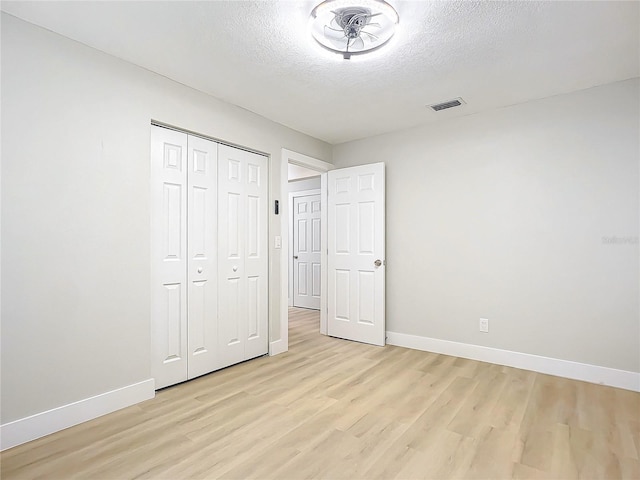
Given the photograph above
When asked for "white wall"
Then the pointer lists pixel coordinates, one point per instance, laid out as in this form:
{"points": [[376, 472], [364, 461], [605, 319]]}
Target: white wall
{"points": [[502, 215], [75, 212]]}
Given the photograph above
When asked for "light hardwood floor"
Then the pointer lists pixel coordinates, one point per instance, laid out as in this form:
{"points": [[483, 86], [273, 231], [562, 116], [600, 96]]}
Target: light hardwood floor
{"points": [[332, 408]]}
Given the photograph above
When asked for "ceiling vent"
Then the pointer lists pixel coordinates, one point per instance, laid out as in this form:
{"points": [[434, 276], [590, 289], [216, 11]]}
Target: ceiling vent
{"points": [[456, 102]]}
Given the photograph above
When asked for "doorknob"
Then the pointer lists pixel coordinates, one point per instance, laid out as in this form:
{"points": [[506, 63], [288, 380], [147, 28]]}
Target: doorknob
{"points": [[377, 263], [295, 257]]}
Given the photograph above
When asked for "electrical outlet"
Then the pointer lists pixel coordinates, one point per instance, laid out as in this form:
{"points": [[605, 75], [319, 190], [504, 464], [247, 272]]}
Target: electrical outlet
{"points": [[484, 325]]}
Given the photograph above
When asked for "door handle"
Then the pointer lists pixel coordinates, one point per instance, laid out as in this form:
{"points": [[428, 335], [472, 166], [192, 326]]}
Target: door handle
{"points": [[377, 263], [295, 257], [199, 269], [235, 268]]}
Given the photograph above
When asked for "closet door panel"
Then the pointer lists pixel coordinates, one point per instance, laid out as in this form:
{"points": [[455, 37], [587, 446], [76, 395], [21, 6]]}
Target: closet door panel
{"points": [[202, 251], [243, 263], [256, 265], [169, 256], [231, 253]]}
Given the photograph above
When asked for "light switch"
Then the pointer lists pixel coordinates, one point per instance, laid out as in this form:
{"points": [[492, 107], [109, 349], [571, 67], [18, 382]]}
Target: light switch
{"points": [[277, 242]]}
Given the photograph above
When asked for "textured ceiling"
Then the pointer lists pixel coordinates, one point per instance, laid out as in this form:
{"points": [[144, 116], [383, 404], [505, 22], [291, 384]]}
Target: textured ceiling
{"points": [[259, 55]]}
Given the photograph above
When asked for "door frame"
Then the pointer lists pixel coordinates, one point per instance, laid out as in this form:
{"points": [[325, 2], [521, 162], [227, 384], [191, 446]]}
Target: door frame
{"points": [[292, 196], [281, 344]]}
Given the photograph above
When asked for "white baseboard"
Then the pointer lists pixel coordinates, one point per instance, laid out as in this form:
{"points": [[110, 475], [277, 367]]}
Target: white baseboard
{"points": [[44, 423], [552, 366], [277, 347]]}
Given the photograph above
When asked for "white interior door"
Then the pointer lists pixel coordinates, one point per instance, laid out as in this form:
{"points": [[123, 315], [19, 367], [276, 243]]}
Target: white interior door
{"points": [[356, 253], [169, 256], [306, 251], [242, 255], [202, 251]]}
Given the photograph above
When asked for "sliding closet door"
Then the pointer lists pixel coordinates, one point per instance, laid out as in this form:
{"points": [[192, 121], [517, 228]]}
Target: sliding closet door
{"points": [[202, 248], [242, 255], [168, 256]]}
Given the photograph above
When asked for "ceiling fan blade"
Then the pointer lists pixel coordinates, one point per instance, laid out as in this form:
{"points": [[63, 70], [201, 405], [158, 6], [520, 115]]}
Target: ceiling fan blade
{"points": [[334, 29], [333, 34], [357, 44], [336, 37], [370, 35]]}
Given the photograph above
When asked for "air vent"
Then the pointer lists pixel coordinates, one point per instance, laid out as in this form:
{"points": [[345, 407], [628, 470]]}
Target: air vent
{"points": [[450, 104]]}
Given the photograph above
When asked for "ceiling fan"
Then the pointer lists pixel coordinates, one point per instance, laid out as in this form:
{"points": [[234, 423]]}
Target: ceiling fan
{"points": [[352, 28]]}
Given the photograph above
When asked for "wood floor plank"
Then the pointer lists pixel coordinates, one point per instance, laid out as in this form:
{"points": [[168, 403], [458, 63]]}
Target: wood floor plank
{"points": [[337, 409]]}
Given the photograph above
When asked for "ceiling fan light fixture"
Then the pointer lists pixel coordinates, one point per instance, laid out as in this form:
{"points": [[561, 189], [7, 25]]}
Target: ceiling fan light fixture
{"points": [[353, 27]]}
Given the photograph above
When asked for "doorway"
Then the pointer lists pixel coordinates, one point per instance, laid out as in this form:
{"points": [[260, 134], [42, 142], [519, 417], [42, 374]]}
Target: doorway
{"points": [[352, 251], [313, 167]]}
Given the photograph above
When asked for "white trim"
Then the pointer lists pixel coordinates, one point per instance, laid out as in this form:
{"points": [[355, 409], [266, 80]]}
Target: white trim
{"points": [[304, 161], [324, 250], [271, 319], [320, 166], [551, 366], [292, 195], [289, 257], [277, 347], [44, 423]]}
